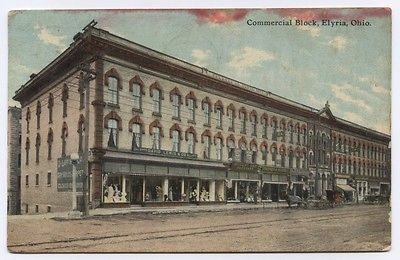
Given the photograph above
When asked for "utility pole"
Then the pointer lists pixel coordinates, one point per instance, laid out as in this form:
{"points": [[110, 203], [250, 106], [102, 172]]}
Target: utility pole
{"points": [[87, 75]]}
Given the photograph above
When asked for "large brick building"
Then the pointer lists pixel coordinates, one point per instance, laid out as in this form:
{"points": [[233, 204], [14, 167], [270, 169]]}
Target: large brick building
{"points": [[14, 161], [163, 129]]}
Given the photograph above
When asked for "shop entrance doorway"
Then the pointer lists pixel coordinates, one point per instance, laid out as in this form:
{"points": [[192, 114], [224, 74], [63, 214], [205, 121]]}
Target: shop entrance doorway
{"points": [[275, 192], [136, 190]]}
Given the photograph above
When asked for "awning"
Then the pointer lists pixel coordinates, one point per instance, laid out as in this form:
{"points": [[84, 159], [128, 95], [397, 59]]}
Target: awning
{"points": [[345, 187]]}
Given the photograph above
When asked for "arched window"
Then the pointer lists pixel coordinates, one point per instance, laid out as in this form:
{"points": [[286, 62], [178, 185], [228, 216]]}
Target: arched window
{"points": [[231, 117], [37, 145], [27, 147], [253, 119], [242, 117], [191, 104], [304, 163], [176, 99], [49, 144], [38, 112], [219, 110], [206, 105], [274, 124], [274, 152], [112, 133], [64, 98], [253, 147], [136, 96], [113, 90], [298, 159], [231, 146], [264, 152], [291, 130], [50, 105], [291, 157], [64, 135], [190, 142], [156, 101], [283, 156], [218, 146], [136, 136], [175, 141], [156, 138], [81, 133], [264, 123], [298, 133], [243, 152]]}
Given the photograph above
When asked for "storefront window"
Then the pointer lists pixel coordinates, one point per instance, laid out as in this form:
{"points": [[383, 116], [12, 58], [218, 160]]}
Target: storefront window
{"points": [[154, 191], [112, 189]]}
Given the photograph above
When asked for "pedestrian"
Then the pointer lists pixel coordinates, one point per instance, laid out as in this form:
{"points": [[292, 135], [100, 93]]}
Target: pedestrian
{"points": [[170, 194]]}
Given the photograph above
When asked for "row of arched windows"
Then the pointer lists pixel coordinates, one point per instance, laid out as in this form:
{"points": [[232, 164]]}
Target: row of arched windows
{"points": [[358, 167]]}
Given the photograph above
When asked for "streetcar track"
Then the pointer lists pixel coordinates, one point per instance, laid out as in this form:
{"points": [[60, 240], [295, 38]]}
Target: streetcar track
{"points": [[217, 228]]}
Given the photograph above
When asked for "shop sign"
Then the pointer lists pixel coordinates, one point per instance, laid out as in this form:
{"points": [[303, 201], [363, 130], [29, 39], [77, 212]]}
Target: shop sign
{"points": [[271, 169], [64, 174], [244, 167], [150, 151]]}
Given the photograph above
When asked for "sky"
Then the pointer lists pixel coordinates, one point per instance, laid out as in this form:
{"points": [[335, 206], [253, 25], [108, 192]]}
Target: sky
{"points": [[349, 66]]}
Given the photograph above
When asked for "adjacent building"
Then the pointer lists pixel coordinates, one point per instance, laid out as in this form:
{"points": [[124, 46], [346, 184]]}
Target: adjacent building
{"points": [[163, 131], [14, 161]]}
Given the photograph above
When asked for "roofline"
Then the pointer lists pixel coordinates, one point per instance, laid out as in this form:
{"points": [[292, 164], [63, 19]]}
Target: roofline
{"points": [[96, 32]]}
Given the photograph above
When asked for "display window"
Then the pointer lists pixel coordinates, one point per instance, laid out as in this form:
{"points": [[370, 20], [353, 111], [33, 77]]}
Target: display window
{"points": [[154, 190]]}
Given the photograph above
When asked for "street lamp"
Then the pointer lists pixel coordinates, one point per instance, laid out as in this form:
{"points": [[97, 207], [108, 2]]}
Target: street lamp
{"points": [[74, 162]]}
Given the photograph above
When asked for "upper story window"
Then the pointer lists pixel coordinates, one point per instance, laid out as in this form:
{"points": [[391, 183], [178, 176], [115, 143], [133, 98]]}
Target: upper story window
{"points": [[283, 159], [112, 133], [156, 138], [49, 144], [291, 130], [243, 152], [176, 106], [82, 97], [264, 153], [37, 145], [175, 141], [219, 118], [264, 123], [156, 101], [207, 118], [113, 90], [218, 146], [28, 119], [254, 153], [136, 136], [274, 124], [253, 124], [291, 157], [242, 117], [50, 106], [231, 148], [297, 160], [298, 134], [274, 153], [38, 112], [64, 98], [207, 146], [231, 120], [190, 142], [64, 135], [191, 107], [27, 147], [136, 96], [81, 133]]}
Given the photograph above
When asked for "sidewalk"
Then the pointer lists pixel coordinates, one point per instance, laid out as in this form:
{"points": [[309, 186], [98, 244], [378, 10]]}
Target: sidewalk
{"points": [[159, 210]]}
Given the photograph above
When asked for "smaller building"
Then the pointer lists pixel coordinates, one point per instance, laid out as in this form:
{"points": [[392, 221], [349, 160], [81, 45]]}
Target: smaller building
{"points": [[14, 161]]}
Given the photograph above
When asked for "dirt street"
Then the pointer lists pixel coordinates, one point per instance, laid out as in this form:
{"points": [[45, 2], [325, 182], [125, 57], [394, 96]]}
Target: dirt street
{"points": [[347, 228]]}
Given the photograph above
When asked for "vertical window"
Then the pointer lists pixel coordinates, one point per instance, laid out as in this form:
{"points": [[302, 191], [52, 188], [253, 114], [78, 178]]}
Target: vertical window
{"points": [[27, 147], [156, 101], [50, 107], [265, 127], [298, 134], [36, 208], [156, 138], [190, 143], [242, 122], [112, 133], [243, 153], [283, 159], [291, 155], [304, 137], [26, 208], [49, 143], [219, 118], [264, 153], [254, 125], [82, 98], [254, 153], [231, 149], [136, 136], [191, 109], [37, 179], [275, 130], [274, 152], [64, 134], [207, 143], [37, 145], [137, 96], [176, 106], [206, 108], [27, 180], [48, 178], [219, 148], [48, 209], [291, 133], [64, 99], [297, 161], [231, 120], [38, 112], [81, 133], [28, 119], [113, 90], [175, 141]]}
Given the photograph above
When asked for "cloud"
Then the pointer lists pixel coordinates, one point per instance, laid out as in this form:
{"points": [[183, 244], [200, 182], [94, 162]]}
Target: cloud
{"points": [[200, 56], [332, 13], [315, 102], [50, 39], [380, 89], [219, 16], [248, 57], [340, 93], [338, 43], [353, 117]]}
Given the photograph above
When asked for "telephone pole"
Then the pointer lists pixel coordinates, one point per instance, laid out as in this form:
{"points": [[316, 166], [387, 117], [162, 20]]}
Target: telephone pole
{"points": [[87, 75]]}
